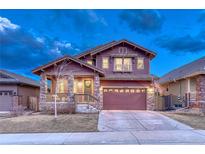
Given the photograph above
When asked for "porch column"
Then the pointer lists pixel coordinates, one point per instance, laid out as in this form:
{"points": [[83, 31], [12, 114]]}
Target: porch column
{"points": [[70, 89], [200, 92], [97, 91], [43, 91]]}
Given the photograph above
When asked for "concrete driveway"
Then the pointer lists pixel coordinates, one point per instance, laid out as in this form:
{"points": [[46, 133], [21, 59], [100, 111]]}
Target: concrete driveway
{"points": [[113, 121]]}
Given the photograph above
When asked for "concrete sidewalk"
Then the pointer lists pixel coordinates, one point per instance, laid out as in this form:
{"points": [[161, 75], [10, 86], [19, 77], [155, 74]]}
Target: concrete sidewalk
{"points": [[129, 137]]}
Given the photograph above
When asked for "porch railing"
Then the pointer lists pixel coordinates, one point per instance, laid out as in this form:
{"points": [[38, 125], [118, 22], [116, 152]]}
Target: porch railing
{"points": [[78, 97], [61, 97], [84, 98], [87, 99]]}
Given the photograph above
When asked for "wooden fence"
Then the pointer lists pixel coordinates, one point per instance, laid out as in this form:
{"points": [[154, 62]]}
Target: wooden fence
{"points": [[33, 103]]}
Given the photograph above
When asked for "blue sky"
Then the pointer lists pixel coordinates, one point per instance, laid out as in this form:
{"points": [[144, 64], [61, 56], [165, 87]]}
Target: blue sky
{"points": [[29, 38]]}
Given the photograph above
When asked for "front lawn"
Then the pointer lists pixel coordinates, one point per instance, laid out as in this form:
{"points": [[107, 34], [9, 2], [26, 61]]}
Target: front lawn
{"points": [[47, 123], [195, 121]]}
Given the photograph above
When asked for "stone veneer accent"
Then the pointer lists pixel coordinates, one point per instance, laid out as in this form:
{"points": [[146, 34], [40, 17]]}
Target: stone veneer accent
{"points": [[70, 79], [62, 107], [150, 100], [97, 91], [200, 91], [43, 91]]}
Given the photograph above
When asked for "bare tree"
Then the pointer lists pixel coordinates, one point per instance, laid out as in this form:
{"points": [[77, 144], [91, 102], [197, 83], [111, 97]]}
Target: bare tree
{"points": [[59, 72]]}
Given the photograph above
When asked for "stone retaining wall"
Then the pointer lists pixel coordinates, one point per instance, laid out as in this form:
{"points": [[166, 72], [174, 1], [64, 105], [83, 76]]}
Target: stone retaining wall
{"points": [[62, 107]]}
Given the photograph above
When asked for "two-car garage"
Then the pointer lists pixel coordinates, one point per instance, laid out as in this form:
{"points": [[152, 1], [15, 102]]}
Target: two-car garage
{"points": [[120, 98]]}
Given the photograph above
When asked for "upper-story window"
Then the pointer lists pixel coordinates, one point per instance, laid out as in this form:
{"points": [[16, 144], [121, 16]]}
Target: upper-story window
{"points": [[105, 63], [118, 64], [140, 63], [123, 64], [127, 64], [90, 62]]}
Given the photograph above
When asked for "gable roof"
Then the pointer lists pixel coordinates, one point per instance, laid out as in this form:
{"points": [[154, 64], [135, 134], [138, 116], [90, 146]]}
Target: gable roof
{"points": [[101, 48], [7, 77], [40, 68], [192, 69]]}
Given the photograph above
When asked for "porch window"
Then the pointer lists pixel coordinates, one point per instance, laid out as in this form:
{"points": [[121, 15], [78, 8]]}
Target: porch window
{"points": [[89, 62], [105, 62], [62, 86], [140, 63]]}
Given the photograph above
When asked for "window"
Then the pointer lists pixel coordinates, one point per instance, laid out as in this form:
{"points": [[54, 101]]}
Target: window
{"points": [[90, 62], [121, 64], [140, 63], [105, 63], [116, 90], [127, 64], [118, 64], [62, 86]]}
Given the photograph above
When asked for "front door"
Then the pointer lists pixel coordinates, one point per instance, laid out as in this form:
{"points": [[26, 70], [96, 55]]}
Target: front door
{"points": [[87, 88]]}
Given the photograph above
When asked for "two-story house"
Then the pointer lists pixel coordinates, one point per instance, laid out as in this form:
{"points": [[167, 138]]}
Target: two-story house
{"points": [[113, 76]]}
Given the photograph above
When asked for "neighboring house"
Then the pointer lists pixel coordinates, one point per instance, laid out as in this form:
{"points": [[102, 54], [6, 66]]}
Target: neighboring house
{"points": [[18, 89], [113, 76], [186, 82]]}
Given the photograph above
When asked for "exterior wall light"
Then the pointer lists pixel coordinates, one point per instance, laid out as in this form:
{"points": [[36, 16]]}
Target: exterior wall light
{"points": [[150, 90]]}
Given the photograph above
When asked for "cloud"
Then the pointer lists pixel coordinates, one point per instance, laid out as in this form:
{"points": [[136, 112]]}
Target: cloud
{"points": [[186, 43], [20, 49], [85, 25], [142, 21], [6, 24], [77, 20], [83, 19]]}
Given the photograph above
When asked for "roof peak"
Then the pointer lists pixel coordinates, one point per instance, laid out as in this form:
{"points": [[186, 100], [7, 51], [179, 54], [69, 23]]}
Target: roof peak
{"points": [[100, 48], [38, 69]]}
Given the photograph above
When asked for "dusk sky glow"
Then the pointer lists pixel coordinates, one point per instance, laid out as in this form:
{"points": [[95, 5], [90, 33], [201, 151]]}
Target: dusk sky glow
{"points": [[30, 38]]}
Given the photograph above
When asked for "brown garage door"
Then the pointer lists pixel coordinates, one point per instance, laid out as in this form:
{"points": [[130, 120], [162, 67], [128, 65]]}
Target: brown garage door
{"points": [[124, 99]]}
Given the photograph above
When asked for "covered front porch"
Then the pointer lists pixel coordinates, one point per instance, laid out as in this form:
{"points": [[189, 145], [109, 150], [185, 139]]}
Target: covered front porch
{"points": [[76, 91], [83, 89], [70, 82]]}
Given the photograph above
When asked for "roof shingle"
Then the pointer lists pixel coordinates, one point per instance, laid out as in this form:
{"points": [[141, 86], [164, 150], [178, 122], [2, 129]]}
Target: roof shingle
{"points": [[191, 69], [9, 78]]}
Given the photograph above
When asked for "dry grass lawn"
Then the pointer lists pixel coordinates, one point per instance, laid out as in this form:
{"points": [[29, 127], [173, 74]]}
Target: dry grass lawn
{"points": [[195, 121], [47, 123]]}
